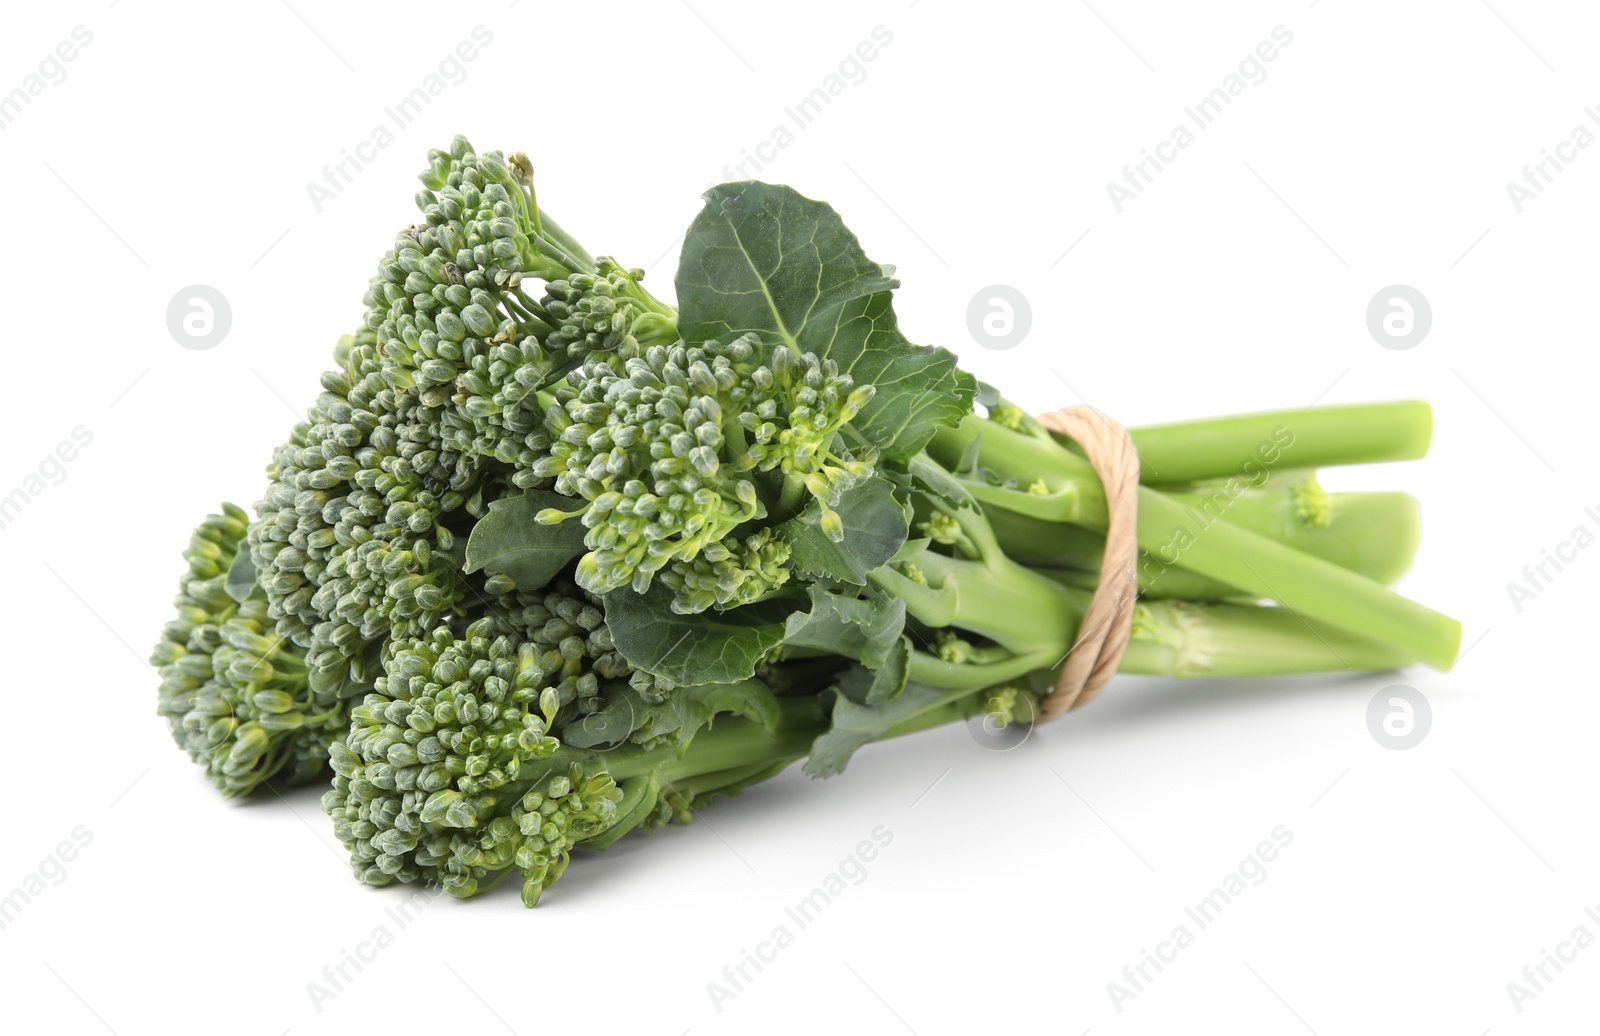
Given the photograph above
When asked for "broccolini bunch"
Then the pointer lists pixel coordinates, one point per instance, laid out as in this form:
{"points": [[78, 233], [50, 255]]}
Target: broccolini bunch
{"points": [[550, 559]]}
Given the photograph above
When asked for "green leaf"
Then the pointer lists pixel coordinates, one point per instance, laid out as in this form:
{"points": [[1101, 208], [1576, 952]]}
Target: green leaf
{"points": [[929, 477], [611, 726], [863, 629], [910, 549], [856, 724], [507, 540], [889, 679], [628, 716], [967, 466], [875, 525], [241, 580], [763, 258], [711, 647]]}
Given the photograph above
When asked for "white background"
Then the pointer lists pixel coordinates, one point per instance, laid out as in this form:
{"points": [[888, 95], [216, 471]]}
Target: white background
{"points": [[976, 151]]}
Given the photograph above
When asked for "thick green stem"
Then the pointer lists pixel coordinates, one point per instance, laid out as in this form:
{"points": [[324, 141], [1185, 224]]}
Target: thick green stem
{"points": [[1177, 638], [936, 672], [998, 599], [730, 754], [731, 743], [1311, 437], [1178, 584], [727, 780], [1184, 639], [1171, 534], [1372, 534]]}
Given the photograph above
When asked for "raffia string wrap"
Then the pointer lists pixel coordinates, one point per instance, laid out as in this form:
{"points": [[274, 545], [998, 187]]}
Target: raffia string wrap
{"points": [[1103, 634]]}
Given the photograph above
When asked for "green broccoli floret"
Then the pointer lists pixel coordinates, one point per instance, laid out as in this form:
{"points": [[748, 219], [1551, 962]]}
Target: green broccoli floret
{"points": [[421, 781], [434, 408], [729, 572], [450, 773], [605, 313], [236, 695], [456, 322], [350, 543], [667, 452], [567, 629], [183, 656]]}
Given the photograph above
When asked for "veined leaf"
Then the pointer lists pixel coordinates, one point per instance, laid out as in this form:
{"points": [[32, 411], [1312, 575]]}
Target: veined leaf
{"points": [[508, 541], [711, 647], [864, 629], [856, 724], [931, 478], [681, 715], [875, 525], [763, 258], [889, 679]]}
